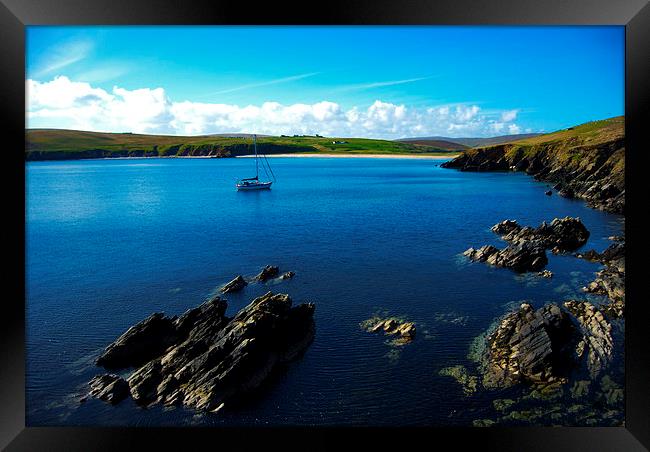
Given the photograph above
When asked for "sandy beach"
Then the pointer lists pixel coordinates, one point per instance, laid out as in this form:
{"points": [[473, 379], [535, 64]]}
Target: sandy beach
{"points": [[374, 156]]}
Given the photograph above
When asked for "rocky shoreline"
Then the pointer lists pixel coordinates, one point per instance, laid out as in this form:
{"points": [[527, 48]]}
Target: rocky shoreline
{"points": [[586, 162], [546, 348], [203, 359]]}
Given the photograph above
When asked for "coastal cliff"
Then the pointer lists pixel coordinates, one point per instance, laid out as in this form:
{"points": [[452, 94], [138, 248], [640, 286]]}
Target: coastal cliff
{"points": [[584, 162]]}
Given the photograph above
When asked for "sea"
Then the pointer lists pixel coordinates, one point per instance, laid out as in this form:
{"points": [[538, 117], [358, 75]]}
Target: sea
{"points": [[109, 242]]}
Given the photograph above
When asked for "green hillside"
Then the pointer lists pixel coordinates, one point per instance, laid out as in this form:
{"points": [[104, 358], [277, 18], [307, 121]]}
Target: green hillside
{"points": [[586, 161], [56, 144]]}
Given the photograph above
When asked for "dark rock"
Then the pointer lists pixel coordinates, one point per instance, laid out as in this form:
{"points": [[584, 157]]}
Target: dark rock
{"points": [[109, 388], [215, 360], [139, 343], [531, 346], [564, 234], [235, 285], [520, 258], [548, 192], [287, 275], [506, 227], [268, 272], [611, 280]]}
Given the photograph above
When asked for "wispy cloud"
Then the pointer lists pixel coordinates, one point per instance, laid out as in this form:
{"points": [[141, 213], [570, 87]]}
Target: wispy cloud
{"points": [[266, 83], [372, 85], [63, 55], [104, 73]]}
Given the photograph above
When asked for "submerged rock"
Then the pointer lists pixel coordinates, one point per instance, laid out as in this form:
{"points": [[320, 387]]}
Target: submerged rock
{"points": [[235, 285], [268, 272], [391, 326], [109, 388], [463, 377], [548, 192], [215, 359]]}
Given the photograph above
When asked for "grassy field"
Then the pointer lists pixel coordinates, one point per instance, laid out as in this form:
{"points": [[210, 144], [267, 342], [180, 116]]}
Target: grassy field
{"points": [[46, 144], [570, 143]]}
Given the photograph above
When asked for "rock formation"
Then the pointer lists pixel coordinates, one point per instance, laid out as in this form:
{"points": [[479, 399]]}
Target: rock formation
{"points": [[235, 285], [611, 280], [203, 359], [391, 326], [527, 245], [521, 258], [545, 345], [597, 342], [268, 272], [562, 234]]}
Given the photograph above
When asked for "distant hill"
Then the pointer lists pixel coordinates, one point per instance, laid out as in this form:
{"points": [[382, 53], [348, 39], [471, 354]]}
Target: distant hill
{"points": [[472, 142], [437, 143], [60, 144]]}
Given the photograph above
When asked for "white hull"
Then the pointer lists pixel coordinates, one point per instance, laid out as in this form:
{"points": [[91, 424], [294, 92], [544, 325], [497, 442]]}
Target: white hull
{"points": [[257, 186]]}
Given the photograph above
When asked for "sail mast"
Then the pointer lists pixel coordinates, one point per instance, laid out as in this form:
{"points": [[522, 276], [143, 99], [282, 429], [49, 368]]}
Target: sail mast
{"points": [[256, 162]]}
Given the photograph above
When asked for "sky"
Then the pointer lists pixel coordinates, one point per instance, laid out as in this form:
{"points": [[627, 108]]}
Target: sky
{"points": [[364, 81]]}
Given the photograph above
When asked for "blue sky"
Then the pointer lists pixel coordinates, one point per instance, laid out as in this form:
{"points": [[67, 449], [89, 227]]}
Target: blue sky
{"points": [[385, 82]]}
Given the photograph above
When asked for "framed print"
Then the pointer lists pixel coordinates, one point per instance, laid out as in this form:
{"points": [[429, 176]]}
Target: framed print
{"points": [[389, 221]]}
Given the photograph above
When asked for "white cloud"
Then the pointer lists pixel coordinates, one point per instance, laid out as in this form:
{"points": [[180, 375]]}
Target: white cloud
{"points": [[509, 115], [79, 105]]}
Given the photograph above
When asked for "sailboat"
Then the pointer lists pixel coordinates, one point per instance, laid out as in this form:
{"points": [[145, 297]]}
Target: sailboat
{"points": [[254, 183]]}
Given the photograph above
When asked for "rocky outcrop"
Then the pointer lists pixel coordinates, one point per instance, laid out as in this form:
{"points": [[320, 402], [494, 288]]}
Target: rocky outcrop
{"points": [[545, 274], [561, 235], [585, 162], [140, 343], [520, 258], [235, 285], [288, 275], [544, 346], [611, 280], [210, 359], [597, 343], [268, 272], [528, 345], [527, 245], [391, 326], [109, 388]]}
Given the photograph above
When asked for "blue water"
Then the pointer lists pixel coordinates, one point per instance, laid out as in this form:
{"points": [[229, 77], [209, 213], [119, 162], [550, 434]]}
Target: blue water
{"points": [[110, 241]]}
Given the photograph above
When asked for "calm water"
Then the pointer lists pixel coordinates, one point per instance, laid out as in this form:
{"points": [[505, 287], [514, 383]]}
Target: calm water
{"points": [[109, 242]]}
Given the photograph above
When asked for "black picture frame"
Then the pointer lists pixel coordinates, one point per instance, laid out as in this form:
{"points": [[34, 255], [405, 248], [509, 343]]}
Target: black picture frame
{"points": [[16, 14]]}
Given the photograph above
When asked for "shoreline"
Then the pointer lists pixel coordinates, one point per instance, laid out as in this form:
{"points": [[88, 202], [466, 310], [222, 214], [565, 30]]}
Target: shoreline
{"points": [[297, 155], [378, 156]]}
